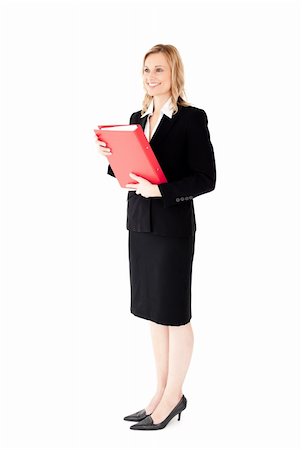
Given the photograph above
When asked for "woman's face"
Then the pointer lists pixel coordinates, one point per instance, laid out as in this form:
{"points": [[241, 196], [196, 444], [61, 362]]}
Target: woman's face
{"points": [[157, 72]]}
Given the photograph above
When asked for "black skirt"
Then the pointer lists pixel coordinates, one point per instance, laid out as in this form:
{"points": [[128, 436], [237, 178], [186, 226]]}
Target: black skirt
{"points": [[160, 277]]}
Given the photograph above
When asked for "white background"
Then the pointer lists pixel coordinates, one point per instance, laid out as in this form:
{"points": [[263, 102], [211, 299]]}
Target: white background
{"points": [[74, 360]]}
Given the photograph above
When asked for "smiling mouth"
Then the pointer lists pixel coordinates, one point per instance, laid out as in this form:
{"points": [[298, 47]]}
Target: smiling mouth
{"points": [[153, 85]]}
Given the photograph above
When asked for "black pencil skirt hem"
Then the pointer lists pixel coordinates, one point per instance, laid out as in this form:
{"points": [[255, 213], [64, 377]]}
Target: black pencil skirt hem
{"points": [[160, 323], [160, 277]]}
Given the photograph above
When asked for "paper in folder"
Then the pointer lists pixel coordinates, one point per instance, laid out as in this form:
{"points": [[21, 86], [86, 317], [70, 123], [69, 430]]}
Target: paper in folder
{"points": [[131, 152]]}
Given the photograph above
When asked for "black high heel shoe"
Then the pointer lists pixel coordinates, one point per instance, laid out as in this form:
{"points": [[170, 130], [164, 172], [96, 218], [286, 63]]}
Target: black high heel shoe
{"points": [[137, 416], [147, 422]]}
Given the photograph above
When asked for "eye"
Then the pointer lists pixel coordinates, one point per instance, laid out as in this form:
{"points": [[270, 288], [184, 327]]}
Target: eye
{"points": [[156, 69]]}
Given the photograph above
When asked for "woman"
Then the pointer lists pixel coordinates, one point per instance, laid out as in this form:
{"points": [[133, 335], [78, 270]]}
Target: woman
{"points": [[161, 224]]}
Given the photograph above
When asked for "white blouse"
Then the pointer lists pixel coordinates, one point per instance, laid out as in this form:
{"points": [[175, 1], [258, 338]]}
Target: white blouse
{"points": [[166, 109]]}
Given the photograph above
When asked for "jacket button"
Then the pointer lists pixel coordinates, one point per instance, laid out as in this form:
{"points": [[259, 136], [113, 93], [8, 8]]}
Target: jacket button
{"points": [[191, 197], [177, 199], [182, 199], [186, 198]]}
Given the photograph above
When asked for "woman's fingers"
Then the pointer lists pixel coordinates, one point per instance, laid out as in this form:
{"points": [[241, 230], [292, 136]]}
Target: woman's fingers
{"points": [[102, 147], [99, 141]]}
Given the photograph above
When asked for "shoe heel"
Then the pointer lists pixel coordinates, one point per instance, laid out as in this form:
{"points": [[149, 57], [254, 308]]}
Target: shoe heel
{"points": [[179, 415]]}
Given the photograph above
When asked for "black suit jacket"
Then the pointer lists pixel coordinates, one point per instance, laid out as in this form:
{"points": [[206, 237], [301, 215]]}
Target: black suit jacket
{"points": [[183, 148]]}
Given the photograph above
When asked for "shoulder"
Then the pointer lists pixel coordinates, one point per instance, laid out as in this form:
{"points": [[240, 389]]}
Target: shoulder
{"points": [[136, 113], [194, 116], [135, 116], [194, 111]]}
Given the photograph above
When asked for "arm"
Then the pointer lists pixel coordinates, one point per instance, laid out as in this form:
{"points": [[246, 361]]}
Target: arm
{"points": [[201, 162], [109, 170]]}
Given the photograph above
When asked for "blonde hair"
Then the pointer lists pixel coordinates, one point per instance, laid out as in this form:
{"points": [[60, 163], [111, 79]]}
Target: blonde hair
{"points": [[177, 76]]}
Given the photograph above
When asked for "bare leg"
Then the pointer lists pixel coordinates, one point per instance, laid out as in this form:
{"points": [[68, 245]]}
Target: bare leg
{"points": [[160, 341], [181, 340]]}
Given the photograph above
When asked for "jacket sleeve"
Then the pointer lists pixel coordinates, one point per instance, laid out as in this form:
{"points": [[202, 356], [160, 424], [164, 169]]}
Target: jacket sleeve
{"points": [[109, 169], [201, 162]]}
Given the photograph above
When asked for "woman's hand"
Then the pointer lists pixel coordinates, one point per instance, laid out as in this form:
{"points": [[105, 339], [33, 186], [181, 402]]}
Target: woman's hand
{"points": [[102, 146], [143, 187]]}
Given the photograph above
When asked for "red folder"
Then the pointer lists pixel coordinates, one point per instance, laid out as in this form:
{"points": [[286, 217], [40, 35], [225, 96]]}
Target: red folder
{"points": [[131, 152]]}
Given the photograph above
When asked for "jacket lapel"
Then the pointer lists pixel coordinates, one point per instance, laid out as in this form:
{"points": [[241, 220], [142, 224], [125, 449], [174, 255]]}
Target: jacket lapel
{"points": [[164, 127]]}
